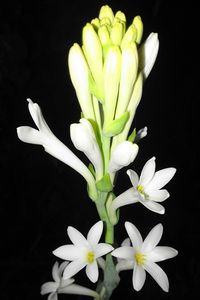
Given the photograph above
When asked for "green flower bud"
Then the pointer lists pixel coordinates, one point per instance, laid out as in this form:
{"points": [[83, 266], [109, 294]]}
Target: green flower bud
{"points": [[120, 16], [105, 21], [129, 72], [94, 55], [116, 33], [137, 21], [79, 74], [106, 12], [111, 76], [95, 22], [130, 36]]}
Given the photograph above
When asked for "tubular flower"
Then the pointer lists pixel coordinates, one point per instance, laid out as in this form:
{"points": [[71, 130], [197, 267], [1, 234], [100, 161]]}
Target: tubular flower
{"points": [[83, 138], [84, 252], [53, 145], [63, 286], [143, 255], [147, 189]]}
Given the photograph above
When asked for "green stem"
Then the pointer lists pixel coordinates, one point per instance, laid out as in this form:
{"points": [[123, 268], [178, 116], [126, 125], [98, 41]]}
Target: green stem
{"points": [[106, 151]]}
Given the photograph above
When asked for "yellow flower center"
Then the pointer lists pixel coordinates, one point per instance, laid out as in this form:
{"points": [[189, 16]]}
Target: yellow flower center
{"points": [[90, 257], [140, 189], [140, 258]]}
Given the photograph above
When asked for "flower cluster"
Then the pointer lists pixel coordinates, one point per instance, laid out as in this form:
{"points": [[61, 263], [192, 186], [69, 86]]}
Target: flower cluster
{"points": [[108, 71]]}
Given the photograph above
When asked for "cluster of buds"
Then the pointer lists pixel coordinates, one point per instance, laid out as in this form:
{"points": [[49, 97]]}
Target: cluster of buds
{"points": [[108, 70]]}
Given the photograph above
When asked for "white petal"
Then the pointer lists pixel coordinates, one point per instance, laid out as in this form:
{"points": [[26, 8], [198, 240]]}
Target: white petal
{"points": [[161, 253], [160, 179], [62, 267], [158, 274], [139, 276], [30, 135], [76, 289], [53, 296], [125, 252], [92, 271], [55, 272], [134, 235], [152, 238], [126, 242], [76, 237], [73, 268], [67, 252], [133, 177], [48, 287], [147, 172], [158, 195], [153, 206], [102, 249], [95, 233]]}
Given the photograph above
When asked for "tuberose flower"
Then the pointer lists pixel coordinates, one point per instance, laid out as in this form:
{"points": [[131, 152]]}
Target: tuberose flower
{"points": [[63, 286], [84, 252], [52, 145], [147, 189], [143, 255]]}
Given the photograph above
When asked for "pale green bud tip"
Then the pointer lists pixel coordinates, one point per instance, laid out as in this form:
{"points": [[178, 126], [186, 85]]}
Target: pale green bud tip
{"points": [[106, 12], [117, 33], [137, 21], [95, 22], [120, 16], [104, 35]]}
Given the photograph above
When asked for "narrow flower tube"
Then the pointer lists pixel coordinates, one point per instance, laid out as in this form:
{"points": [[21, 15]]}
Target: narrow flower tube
{"points": [[53, 145], [112, 71], [79, 74], [129, 71], [122, 156], [83, 138], [148, 53]]}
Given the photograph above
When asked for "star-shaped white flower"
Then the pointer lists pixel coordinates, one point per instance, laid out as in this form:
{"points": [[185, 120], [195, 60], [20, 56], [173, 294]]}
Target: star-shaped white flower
{"points": [[84, 252], [63, 286], [143, 255], [149, 185]]}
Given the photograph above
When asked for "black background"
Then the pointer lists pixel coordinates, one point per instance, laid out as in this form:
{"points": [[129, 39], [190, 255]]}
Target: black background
{"points": [[40, 196]]}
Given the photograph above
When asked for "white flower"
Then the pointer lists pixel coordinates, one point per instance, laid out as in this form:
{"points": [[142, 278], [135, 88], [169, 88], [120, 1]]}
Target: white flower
{"points": [[83, 138], [148, 53], [84, 252], [149, 186], [143, 255], [45, 137], [63, 286], [146, 189], [123, 154]]}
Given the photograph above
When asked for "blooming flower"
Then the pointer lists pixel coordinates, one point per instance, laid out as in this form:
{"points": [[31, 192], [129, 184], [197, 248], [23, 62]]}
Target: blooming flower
{"points": [[84, 252], [63, 286], [52, 145], [143, 255], [83, 138], [147, 189]]}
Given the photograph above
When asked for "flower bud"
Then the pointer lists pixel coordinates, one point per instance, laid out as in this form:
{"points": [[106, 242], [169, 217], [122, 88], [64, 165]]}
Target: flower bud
{"points": [[116, 33], [137, 21], [83, 138], [148, 53], [79, 74], [94, 55], [106, 12], [123, 154], [129, 72], [129, 37], [112, 71]]}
